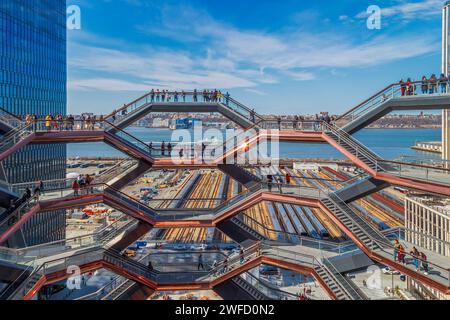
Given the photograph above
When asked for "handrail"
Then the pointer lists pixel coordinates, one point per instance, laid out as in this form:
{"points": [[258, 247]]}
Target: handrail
{"points": [[179, 93], [365, 101], [323, 244], [414, 165], [97, 237], [42, 269], [126, 133], [382, 244], [346, 206], [345, 284], [318, 262], [10, 114], [359, 148], [268, 286], [30, 268]]}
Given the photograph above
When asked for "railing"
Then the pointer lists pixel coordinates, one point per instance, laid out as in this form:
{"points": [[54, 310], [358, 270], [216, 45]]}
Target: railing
{"points": [[422, 240], [416, 171], [394, 91], [283, 124], [380, 244], [105, 290], [175, 97], [15, 285], [15, 137], [12, 216], [312, 261], [358, 147], [357, 222], [54, 266], [98, 238], [293, 238], [267, 290], [12, 120], [350, 289]]}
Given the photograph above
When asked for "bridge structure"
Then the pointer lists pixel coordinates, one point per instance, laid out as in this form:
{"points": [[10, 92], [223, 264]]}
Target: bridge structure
{"points": [[95, 254]]}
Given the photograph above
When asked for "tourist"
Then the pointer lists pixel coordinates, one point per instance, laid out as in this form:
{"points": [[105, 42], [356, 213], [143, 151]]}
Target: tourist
{"points": [[72, 122], [424, 85], [252, 116], [28, 120], [152, 96], [295, 125], [183, 96], [157, 95], [150, 148], [227, 99], [409, 87], [150, 266], [269, 182], [48, 122], [241, 256], [396, 248], [169, 149], [279, 123], [423, 258], [415, 255], [327, 118], [401, 254], [279, 183], [28, 193], [195, 95], [443, 83], [203, 150], [175, 97], [163, 148], [180, 153], [225, 265], [433, 84], [58, 122], [200, 262], [75, 187], [316, 123], [288, 178], [402, 87], [89, 181], [81, 183]]}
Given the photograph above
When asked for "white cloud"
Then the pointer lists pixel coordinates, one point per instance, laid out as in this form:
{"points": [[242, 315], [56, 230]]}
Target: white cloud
{"points": [[410, 10], [222, 56]]}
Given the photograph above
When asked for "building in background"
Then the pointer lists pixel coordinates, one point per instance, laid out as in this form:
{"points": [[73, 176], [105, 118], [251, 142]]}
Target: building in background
{"points": [[427, 225], [33, 80]]}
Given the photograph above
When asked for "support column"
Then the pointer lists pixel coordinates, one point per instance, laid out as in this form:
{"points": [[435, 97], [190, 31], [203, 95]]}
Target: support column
{"points": [[446, 71], [446, 135]]}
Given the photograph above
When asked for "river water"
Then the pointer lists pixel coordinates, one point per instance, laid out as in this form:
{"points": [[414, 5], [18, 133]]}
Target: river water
{"points": [[388, 143]]}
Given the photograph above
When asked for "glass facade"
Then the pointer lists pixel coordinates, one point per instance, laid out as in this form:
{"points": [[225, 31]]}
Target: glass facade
{"points": [[33, 80]]}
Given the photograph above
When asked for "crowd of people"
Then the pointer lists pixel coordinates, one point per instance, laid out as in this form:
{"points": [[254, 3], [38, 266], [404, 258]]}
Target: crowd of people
{"points": [[430, 85], [278, 180], [83, 185], [298, 122], [177, 96], [419, 259], [63, 123]]}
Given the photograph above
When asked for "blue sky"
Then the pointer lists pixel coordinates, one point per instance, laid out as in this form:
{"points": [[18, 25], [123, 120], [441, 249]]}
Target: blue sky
{"points": [[286, 57]]}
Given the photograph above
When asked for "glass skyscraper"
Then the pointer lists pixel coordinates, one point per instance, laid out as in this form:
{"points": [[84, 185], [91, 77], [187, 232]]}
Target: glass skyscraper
{"points": [[33, 77]]}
